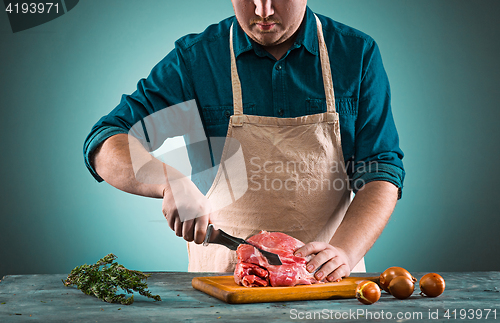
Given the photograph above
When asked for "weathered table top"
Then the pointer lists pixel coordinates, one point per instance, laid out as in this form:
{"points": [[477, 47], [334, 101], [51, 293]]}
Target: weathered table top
{"points": [[44, 298]]}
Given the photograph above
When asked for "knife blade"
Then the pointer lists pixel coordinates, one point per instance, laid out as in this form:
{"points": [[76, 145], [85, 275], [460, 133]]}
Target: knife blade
{"points": [[218, 236]]}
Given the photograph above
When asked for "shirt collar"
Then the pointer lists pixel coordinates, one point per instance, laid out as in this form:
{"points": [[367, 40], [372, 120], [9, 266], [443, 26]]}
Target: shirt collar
{"points": [[307, 37], [308, 33]]}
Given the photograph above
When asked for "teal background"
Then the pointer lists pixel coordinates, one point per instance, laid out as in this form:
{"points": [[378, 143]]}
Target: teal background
{"points": [[58, 79]]}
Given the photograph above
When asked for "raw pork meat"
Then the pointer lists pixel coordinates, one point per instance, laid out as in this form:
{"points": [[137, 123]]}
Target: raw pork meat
{"points": [[253, 270]]}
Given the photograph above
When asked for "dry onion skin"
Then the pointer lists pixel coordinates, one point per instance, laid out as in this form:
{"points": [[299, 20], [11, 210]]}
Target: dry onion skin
{"points": [[401, 287], [432, 285], [390, 273], [367, 292]]}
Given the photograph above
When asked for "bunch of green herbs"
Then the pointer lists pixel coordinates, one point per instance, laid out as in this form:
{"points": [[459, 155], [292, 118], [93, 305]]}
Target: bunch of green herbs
{"points": [[103, 279]]}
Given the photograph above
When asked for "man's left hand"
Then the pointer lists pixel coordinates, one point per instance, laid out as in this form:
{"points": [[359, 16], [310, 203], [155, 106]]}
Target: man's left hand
{"points": [[333, 261]]}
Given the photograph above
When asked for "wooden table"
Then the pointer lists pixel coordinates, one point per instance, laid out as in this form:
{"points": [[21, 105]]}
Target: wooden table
{"points": [[44, 298]]}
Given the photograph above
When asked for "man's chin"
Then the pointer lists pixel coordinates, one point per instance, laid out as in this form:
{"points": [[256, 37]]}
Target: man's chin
{"points": [[267, 39]]}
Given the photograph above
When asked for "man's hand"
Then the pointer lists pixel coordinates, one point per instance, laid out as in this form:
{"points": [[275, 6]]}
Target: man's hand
{"points": [[333, 261], [365, 219], [186, 210]]}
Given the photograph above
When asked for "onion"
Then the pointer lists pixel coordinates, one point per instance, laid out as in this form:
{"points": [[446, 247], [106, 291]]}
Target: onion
{"points": [[391, 273], [401, 287], [367, 292], [431, 285]]}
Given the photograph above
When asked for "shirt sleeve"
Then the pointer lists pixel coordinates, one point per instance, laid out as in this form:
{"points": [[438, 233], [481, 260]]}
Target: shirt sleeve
{"points": [[169, 83], [377, 153]]}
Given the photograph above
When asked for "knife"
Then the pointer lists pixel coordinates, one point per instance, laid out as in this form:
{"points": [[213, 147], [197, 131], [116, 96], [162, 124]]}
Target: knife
{"points": [[218, 236]]}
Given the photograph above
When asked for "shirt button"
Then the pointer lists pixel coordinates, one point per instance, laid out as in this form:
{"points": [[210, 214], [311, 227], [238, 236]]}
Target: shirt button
{"points": [[227, 113], [281, 112], [278, 67]]}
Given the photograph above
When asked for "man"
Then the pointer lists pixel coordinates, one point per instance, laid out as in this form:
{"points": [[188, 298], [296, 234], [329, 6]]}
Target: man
{"points": [[267, 75]]}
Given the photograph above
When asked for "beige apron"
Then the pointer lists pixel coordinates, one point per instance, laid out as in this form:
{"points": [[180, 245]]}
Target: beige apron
{"points": [[294, 174]]}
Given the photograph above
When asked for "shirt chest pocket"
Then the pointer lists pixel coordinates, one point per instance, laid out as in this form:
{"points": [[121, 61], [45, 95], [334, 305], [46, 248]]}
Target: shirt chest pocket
{"points": [[347, 109], [216, 119], [344, 106]]}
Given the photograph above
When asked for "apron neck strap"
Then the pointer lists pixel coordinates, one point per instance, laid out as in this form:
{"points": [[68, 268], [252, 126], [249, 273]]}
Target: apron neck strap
{"points": [[235, 80], [325, 69]]}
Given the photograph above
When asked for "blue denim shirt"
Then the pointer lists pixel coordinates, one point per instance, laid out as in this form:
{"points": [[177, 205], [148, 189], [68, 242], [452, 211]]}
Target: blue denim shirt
{"points": [[199, 69]]}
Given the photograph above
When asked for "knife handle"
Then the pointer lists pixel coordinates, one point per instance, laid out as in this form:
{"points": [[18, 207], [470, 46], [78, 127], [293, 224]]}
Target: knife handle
{"points": [[227, 240], [222, 238]]}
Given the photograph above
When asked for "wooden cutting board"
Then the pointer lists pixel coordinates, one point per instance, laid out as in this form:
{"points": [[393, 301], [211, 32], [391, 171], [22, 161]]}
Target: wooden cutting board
{"points": [[225, 289]]}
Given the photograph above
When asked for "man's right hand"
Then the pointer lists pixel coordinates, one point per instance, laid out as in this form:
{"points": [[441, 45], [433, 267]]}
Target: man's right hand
{"points": [[186, 209]]}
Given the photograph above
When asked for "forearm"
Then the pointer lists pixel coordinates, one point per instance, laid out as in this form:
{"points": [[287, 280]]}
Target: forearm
{"points": [[365, 219], [113, 162]]}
